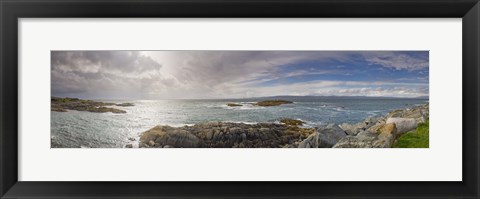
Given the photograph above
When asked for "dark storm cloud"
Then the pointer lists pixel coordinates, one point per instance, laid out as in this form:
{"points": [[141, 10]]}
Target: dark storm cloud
{"points": [[93, 73]]}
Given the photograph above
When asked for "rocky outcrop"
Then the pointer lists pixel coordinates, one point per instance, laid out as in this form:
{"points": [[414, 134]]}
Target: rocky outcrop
{"points": [[384, 131], [225, 135], [233, 104], [125, 104], [363, 139], [64, 104], [419, 113], [384, 138], [273, 102], [161, 136], [354, 129], [324, 137]]}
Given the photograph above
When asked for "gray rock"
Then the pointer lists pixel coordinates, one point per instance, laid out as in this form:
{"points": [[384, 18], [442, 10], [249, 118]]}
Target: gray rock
{"points": [[311, 141], [403, 125], [129, 146], [329, 136], [355, 142], [354, 129], [351, 129], [367, 139]]}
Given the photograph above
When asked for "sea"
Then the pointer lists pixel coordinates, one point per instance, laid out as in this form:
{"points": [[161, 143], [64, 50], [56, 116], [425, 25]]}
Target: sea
{"points": [[79, 129]]}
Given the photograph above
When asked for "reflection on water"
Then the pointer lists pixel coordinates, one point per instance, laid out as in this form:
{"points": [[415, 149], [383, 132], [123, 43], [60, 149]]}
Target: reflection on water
{"points": [[75, 129]]}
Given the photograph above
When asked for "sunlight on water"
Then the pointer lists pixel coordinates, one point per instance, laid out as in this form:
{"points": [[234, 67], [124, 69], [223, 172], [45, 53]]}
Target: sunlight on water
{"points": [[106, 130]]}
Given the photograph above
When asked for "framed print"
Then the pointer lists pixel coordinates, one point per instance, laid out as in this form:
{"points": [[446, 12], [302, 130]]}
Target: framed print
{"points": [[260, 99]]}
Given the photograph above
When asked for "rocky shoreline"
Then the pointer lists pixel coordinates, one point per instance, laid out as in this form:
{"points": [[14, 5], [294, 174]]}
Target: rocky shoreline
{"points": [[65, 104], [373, 132]]}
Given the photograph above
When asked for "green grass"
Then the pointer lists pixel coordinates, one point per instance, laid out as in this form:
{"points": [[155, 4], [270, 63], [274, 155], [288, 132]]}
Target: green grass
{"points": [[414, 139]]}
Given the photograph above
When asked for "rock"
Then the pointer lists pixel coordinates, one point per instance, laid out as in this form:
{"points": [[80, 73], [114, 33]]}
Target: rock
{"points": [[151, 143], [129, 146], [351, 129], [273, 102], [164, 135], [363, 139], [64, 104], [329, 136], [376, 126], [383, 138], [225, 135], [291, 122], [386, 137], [419, 113], [131, 139], [354, 129], [310, 142], [233, 104], [125, 104], [58, 109], [403, 125], [243, 136], [209, 135]]}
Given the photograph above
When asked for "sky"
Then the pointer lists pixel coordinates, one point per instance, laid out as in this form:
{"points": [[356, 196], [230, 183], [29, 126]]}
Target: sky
{"points": [[238, 74]]}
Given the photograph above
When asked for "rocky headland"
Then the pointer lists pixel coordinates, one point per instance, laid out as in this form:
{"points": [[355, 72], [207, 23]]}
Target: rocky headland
{"points": [[65, 104], [273, 102], [264, 103], [373, 132]]}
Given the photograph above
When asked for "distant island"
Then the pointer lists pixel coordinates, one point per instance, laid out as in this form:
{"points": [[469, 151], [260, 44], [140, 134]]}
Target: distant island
{"points": [[264, 103], [63, 104], [273, 102]]}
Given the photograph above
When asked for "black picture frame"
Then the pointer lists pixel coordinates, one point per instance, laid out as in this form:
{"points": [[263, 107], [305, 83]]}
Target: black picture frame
{"points": [[12, 10]]}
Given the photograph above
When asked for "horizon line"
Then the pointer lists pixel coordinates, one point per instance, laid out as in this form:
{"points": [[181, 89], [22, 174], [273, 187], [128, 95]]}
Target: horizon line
{"points": [[278, 96]]}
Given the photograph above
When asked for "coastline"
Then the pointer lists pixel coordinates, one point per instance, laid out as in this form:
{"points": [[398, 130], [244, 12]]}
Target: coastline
{"points": [[373, 132]]}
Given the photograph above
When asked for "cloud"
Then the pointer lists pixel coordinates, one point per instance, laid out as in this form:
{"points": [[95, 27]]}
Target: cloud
{"points": [[334, 88], [231, 74], [399, 60], [116, 74]]}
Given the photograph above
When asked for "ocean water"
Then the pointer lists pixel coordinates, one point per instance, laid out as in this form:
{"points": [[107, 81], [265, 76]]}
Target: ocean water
{"points": [[77, 129]]}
